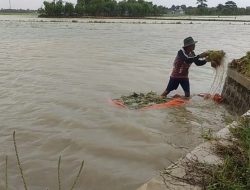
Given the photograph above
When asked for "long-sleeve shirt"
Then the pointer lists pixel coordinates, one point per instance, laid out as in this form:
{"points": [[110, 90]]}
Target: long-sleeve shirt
{"points": [[182, 63]]}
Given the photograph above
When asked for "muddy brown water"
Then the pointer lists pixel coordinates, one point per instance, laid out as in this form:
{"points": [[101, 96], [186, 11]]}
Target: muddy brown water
{"points": [[55, 82]]}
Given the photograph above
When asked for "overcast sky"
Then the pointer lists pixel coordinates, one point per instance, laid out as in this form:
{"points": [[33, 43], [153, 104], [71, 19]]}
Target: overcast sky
{"points": [[35, 4]]}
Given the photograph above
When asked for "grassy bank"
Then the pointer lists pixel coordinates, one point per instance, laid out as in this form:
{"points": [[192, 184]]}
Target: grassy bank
{"points": [[234, 173], [223, 165], [242, 65]]}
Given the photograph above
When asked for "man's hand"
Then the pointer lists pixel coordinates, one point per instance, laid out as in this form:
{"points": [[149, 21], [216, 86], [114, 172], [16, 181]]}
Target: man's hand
{"points": [[204, 54]]}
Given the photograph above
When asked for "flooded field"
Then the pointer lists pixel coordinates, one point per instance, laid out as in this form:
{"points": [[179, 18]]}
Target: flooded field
{"points": [[55, 82]]}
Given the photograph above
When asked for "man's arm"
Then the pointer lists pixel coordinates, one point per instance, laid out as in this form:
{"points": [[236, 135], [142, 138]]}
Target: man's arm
{"points": [[187, 59], [199, 62]]}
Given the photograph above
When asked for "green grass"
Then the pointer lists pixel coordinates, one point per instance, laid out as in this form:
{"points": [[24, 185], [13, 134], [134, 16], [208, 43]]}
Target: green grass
{"points": [[242, 65], [234, 173], [207, 134]]}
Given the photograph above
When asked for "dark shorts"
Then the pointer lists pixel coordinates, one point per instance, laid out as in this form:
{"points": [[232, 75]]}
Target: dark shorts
{"points": [[174, 83]]}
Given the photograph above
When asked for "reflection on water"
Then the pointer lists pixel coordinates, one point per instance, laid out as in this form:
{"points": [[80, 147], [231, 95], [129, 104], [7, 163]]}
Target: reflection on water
{"points": [[55, 82]]}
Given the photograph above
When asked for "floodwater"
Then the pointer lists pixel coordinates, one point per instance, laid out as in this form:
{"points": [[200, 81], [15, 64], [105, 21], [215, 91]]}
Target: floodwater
{"points": [[55, 82]]}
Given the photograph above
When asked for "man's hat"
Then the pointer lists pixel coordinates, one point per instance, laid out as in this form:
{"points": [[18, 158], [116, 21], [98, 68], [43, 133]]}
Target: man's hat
{"points": [[189, 41]]}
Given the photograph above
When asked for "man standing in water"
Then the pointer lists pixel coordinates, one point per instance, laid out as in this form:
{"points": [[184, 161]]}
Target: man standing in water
{"points": [[185, 57]]}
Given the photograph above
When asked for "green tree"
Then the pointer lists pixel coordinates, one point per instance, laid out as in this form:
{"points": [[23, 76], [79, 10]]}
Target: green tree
{"points": [[110, 8], [230, 8], [69, 9], [202, 7], [220, 7], [49, 8], [184, 7], [87, 2], [201, 3], [247, 11], [231, 5], [103, 8], [122, 9], [80, 2], [173, 8], [59, 8], [79, 9], [95, 7], [41, 11]]}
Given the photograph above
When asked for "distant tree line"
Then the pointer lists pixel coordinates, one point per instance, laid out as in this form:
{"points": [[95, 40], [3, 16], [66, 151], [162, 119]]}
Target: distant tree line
{"points": [[134, 8], [106, 8], [229, 8]]}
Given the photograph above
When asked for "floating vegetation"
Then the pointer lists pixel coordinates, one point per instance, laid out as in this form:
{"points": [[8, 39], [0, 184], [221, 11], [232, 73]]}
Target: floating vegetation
{"points": [[216, 58], [242, 65], [137, 101]]}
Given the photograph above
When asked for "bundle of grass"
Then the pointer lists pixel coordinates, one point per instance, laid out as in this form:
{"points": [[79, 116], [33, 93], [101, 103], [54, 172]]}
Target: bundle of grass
{"points": [[242, 65], [137, 101], [216, 58]]}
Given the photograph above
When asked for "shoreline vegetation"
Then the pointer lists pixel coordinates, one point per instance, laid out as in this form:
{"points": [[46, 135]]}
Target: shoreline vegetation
{"points": [[231, 168], [134, 8], [234, 172], [125, 9], [159, 18], [242, 65], [163, 17], [179, 18]]}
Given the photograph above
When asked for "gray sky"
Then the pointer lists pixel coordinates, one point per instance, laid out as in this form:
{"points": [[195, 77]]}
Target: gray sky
{"points": [[35, 4]]}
